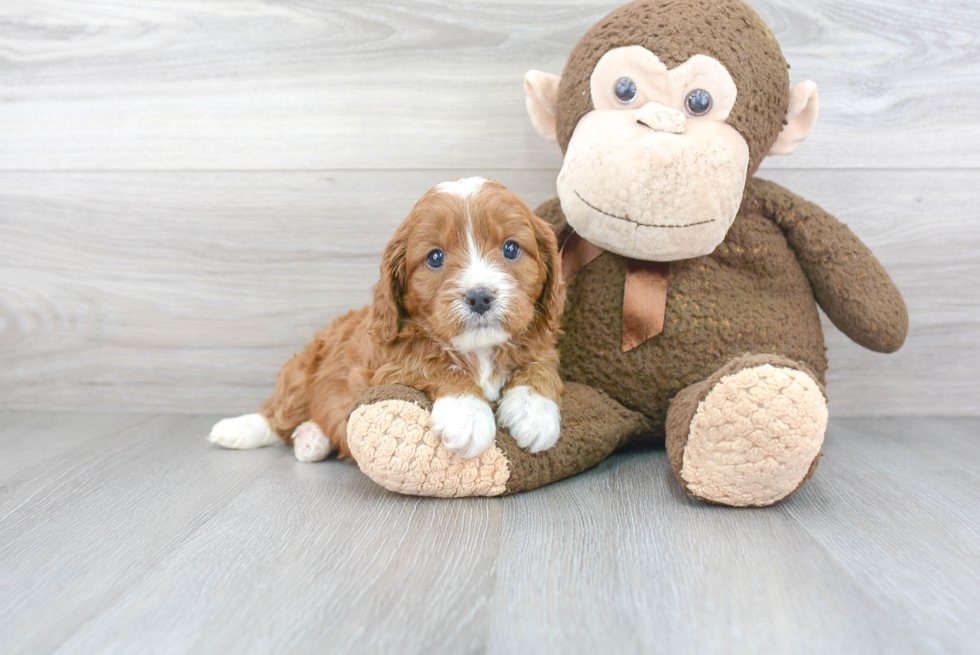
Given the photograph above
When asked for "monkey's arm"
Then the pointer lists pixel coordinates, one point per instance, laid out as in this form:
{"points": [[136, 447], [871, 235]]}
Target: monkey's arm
{"points": [[390, 438], [849, 282]]}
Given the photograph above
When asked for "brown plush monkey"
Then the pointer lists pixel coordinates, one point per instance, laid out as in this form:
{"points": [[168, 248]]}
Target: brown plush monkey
{"points": [[692, 286]]}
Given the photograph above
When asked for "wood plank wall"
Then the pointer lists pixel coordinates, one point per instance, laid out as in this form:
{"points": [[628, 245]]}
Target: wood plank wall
{"points": [[190, 188]]}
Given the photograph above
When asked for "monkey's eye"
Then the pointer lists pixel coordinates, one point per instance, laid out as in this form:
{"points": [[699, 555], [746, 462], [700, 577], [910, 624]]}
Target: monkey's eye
{"points": [[625, 90], [436, 258], [698, 102], [511, 250]]}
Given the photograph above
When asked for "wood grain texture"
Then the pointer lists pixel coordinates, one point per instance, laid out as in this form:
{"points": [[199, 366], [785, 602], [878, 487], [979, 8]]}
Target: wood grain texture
{"points": [[187, 291], [425, 84], [675, 576], [189, 189], [131, 534], [919, 480]]}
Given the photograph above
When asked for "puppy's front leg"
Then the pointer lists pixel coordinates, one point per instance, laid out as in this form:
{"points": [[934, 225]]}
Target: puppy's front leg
{"points": [[529, 408], [463, 420]]}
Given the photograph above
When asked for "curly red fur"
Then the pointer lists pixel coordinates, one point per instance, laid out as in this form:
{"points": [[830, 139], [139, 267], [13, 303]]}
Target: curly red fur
{"points": [[407, 334]]}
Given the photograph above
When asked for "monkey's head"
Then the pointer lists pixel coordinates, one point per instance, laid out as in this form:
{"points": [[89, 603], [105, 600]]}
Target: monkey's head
{"points": [[663, 111]]}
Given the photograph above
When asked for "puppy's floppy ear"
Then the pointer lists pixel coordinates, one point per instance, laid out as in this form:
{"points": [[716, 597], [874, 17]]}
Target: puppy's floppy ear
{"points": [[387, 308], [551, 304]]}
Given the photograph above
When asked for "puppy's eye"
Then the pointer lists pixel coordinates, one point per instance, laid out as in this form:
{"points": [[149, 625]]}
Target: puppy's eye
{"points": [[625, 90], [698, 102], [511, 250], [436, 258]]}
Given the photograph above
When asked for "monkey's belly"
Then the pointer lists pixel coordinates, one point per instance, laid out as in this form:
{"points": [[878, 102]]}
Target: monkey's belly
{"points": [[749, 296]]}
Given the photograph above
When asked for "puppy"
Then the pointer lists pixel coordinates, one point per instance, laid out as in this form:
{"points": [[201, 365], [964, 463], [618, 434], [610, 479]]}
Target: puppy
{"points": [[467, 310]]}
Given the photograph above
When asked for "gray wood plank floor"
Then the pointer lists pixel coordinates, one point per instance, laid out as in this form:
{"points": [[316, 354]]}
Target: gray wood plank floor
{"points": [[130, 534]]}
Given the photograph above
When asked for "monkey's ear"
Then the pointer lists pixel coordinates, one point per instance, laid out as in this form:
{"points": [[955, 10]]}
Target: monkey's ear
{"points": [[541, 90], [800, 118]]}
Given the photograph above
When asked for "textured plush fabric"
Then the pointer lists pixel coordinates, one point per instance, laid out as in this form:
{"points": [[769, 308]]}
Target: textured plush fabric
{"points": [[749, 296], [749, 435], [849, 282], [391, 440], [396, 392], [663, 197], [592, 427], [750, 304], [393, 445], [728, 30]]}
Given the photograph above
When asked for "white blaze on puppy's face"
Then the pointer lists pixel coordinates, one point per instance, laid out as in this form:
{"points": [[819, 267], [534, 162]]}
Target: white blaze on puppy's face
{"points": [[480, 273], [474, 268], [464, 187]]}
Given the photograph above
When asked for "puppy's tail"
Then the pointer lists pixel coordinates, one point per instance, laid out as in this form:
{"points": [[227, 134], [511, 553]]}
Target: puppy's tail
{"points": [[243, 432]]}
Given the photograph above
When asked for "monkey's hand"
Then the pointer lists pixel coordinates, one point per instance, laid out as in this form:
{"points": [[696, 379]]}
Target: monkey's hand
{"points": [[848, 281], [391, 438]]}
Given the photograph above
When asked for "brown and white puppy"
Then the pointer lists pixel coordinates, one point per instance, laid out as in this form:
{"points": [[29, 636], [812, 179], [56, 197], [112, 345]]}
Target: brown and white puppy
{"points": [[467, 310]]}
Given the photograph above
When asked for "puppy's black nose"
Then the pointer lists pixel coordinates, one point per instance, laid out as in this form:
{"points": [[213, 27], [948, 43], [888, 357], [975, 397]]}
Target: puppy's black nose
{"points": [[479, 300]]}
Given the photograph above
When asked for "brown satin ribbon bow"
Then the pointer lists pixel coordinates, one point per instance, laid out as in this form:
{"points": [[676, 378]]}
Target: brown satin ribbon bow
{"points": [[644, 295]]}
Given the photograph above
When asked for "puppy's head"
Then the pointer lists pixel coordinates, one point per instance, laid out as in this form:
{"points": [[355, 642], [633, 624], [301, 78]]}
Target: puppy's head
{"points": [[473, 266]]}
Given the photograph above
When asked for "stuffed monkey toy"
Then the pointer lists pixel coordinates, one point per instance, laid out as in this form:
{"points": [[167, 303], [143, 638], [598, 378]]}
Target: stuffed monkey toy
{"points": [[693, 286]]}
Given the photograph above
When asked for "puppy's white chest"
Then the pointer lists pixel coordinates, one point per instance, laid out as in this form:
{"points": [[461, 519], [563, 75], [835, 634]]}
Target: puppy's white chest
{"points": [[487, 376]]}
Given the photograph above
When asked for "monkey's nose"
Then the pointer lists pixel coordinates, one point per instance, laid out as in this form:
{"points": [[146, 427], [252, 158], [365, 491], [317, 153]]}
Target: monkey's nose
{"points": [[479, 300], [661, 118]]}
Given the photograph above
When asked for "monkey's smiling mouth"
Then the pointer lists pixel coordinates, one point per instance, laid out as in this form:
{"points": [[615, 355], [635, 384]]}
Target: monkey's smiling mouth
{"points": [[630, 220]]}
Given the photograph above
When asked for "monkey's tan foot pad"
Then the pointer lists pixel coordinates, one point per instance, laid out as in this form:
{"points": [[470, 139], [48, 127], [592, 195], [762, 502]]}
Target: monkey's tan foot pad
{"points": [[393, 444], [753, 439]]}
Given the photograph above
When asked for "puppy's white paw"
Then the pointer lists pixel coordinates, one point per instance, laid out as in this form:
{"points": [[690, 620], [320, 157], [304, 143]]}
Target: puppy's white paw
{"points": [[310, 444], [533, 420], [243, 432], [464, 423]]}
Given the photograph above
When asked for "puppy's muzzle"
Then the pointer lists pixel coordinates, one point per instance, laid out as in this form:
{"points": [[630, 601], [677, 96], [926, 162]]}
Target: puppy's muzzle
{"points": [[479, 300]]}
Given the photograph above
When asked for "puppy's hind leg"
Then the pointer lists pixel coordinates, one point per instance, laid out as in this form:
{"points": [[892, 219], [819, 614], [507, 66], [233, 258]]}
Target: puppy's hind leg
{"points": [[310, 444], [243, 432], [279, 415]]}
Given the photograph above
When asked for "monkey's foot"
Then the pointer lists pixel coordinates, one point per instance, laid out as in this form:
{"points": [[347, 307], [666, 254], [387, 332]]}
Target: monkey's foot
{"points": [[392, 441], [750, 435]]}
